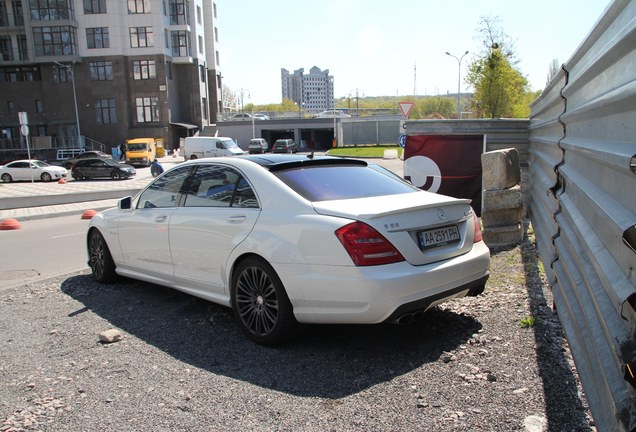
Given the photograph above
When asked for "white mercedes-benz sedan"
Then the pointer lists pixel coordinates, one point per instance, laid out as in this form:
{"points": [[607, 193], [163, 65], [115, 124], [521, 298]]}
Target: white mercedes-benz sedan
{"points": [[290, 239]]}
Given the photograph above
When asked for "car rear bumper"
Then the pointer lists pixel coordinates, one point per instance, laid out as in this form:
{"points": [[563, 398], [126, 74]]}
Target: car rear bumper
{"points": [[369, 295]]}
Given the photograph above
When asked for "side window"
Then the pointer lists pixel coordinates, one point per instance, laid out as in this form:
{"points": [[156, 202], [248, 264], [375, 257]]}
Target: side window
{"points": [[244, 195], [219, 145], [164, 192], [213, 186]]}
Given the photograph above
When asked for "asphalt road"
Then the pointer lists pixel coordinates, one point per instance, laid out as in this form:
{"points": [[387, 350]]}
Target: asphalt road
{"points": [[43, 248]]}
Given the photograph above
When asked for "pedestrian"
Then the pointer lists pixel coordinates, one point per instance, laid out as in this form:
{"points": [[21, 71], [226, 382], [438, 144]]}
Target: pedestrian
{"points": [[155, 168], [122, 151]]}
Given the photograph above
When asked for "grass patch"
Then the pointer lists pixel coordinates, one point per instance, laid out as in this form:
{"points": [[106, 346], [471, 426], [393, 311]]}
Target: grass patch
{"points": [[529, 321], [364, 151]]}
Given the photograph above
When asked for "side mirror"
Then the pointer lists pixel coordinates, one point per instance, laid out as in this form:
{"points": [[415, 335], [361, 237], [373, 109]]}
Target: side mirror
{"points": [[125, 203]]}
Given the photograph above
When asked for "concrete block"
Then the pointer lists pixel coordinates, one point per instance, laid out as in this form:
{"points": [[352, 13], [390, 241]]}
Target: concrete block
{"points": [[502, 199], [500, 169], [503, 236], [504, 217], [390, 154]]}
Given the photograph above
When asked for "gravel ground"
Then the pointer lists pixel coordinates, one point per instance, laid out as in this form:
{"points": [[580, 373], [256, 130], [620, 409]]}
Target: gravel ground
{"points": [[183, 365]]}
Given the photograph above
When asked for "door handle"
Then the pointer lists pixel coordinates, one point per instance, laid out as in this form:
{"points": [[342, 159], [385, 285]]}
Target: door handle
{"points": [[237, 219], [161, 219]]}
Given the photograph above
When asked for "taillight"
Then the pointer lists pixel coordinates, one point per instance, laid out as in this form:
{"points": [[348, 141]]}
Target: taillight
{"points": [[478, 237], [366, 246]]}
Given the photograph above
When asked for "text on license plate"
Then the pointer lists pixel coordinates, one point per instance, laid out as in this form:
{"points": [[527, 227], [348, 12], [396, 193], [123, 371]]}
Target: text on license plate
{"points": [[438, 236]]}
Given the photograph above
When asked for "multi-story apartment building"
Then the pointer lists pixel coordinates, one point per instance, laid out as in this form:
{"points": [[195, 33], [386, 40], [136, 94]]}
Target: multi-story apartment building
{"points": [[104, 71], [312, 92]]}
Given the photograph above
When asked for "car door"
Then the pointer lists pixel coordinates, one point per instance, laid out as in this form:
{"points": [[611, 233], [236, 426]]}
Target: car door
{"points": [[144, 232], [20, 171], [219, 211], [90, 168], [102, 169]]}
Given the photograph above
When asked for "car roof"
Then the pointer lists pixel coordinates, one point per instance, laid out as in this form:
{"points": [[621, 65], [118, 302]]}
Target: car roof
{"points": [[276, 162], [88, 159]]}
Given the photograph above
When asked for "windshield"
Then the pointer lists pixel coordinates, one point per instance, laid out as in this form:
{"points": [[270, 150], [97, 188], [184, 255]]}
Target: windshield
{"points": [[230, 144], [40, 164], [137, 147], [323, 183]]}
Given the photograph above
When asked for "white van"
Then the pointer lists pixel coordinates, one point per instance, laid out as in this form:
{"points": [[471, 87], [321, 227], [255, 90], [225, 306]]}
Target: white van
{"points": [[201, 147]]}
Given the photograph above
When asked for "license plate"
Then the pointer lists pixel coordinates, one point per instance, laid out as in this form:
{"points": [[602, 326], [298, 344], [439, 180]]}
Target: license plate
{"points": [[438, 236]]}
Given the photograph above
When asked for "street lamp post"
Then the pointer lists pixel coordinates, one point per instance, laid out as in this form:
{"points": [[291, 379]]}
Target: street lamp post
{"points": [[459, 76], [70, 69]]}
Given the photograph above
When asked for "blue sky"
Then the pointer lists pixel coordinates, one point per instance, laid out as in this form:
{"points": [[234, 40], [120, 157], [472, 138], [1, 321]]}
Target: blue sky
{"points": [[372, 46]]}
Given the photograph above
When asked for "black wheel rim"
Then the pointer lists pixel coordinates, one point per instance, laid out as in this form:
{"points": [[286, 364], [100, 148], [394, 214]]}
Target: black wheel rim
{"points": [[257, 301], [97, 251]]}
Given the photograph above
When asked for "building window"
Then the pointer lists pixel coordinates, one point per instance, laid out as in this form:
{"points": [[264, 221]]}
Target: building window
{"points": [[179, 12], [204, 110], [101, 71], [23, 50], [19, 74], [11, 106], [147, 109], [6, 48], [202, 72], [141, 37], [51, 10], [138, 6], [169, 70], [105, 111], [200, 44], [166, 36], [97, 37], [95, 7], [199, 21], [54, 41], [61, 74], [39, 107], [144, 69], [218, 59], [18, 12], [180, 47]]}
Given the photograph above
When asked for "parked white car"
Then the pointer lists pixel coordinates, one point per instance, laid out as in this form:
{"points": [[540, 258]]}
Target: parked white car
{"points": [[331, 114], [25, 169], [291, 239]]}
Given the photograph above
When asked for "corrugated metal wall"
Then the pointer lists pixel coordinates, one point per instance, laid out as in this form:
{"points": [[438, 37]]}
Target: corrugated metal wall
{"points": [[582, 203]]}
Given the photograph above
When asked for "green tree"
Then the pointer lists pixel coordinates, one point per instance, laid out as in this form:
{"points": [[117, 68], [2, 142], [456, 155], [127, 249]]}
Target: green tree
{"points": [[500, 88], [443, 105]]}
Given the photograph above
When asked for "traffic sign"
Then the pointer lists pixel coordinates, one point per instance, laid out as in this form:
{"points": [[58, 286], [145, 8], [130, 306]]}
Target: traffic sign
{"points": [[402, 140], [22, 116], [406, 107], [24, 129]]}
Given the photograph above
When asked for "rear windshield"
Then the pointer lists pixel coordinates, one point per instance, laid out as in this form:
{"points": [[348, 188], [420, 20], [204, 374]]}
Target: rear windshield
{"points": [[324, 183]]}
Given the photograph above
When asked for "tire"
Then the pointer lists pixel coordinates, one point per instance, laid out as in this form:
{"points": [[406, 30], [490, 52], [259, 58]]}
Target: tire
{"points": [[68, 165], [260, 304], [100, 260], [193, 157], [115, 176], [46, 177], [6, 178], [76, 176]]}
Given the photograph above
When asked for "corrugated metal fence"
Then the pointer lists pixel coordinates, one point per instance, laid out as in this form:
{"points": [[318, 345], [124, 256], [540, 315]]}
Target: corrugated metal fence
{"points": [[582, 203]]}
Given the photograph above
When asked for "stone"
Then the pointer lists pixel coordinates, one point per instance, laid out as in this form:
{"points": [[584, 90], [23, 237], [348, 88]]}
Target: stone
{"points": [[504, 217], [500, 169], [502, 199], [110, 336], [503, 236]]}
